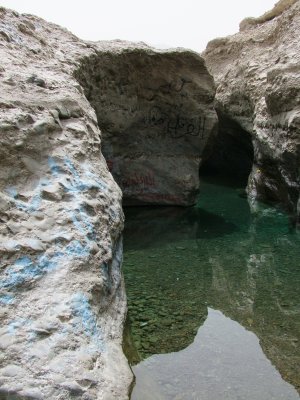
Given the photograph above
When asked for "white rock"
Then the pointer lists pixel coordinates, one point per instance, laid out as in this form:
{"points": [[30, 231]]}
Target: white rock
{"points": [[12, 370], [258, 88]]}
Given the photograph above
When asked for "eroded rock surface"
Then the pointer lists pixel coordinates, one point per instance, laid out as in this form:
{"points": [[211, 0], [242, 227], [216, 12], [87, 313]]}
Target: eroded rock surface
{"points": [[61, 291], [155, 110], [257, 72]]}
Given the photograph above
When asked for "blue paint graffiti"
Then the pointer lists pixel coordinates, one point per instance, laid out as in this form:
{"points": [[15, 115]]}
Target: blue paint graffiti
{"points": [[12, 192], [90, 175], [81, 221], [54, 168], [25, 269], [78, 221], [6, 299], [85, 319], [76, 249], [72, 169], [80, 185], [35, 201], [28, 269], [49, 263], [76, 185], [86, 219], [21, 323], [15, 325]]}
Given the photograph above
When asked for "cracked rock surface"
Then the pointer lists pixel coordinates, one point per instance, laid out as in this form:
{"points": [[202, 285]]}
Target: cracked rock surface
{"points": [[155, 110], [62, 296], [257, 73], [61, 291]]}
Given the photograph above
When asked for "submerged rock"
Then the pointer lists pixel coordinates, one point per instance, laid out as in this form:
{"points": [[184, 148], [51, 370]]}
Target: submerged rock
{"points": [[257, 72]]}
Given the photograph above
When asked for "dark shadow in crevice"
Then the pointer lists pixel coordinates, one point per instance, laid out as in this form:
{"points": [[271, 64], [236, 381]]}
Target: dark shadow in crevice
{"points": [[232, 154]]}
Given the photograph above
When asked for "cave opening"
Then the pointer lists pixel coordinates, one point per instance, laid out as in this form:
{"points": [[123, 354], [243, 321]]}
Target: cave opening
{"points": [[231, 155], [201, 281], [183, 266]]}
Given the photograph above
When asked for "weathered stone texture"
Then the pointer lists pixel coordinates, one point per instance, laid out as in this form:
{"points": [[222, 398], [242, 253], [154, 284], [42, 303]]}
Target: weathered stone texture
{"points": [[155, 110], [257, 73], [61, 291]]}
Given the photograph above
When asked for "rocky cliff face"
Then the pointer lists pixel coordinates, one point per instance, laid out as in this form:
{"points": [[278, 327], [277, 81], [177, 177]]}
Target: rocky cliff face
{"points": [[258, 94], [61, 290], [155, 110]]}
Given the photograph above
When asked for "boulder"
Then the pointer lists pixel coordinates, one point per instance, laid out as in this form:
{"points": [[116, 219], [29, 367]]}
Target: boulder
{"points": [[62, 296], [155, 110]]}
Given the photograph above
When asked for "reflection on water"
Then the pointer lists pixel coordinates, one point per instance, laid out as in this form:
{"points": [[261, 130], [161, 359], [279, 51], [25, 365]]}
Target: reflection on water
{"points": [[210, 368], [179, 262]]}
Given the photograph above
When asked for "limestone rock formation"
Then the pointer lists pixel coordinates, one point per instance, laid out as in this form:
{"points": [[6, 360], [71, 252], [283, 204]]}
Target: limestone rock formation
{"points": [[277, 10], [61, 290], [257, 72], [155, 110]]}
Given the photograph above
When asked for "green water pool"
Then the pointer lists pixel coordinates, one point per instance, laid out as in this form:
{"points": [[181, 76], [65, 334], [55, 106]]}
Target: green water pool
{"points": [[213, 299]]}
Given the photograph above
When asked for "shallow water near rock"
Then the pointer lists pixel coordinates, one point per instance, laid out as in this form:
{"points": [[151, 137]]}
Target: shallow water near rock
{"points": [[214, 299]]}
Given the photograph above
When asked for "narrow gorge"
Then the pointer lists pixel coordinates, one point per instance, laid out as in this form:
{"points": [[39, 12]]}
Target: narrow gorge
{"points": [[91, 131]]}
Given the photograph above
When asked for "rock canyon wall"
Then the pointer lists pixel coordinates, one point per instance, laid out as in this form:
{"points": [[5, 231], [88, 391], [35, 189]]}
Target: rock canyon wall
{"points": [[257, 73], [155, 110], [62, 296], [61, 289]]}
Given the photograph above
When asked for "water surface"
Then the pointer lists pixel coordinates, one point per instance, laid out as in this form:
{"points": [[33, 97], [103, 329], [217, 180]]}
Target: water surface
{"points": [[218, 287]]}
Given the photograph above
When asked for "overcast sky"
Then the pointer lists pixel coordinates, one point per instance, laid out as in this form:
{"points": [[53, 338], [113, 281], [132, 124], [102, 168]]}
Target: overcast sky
{"points": [[165, 23]]}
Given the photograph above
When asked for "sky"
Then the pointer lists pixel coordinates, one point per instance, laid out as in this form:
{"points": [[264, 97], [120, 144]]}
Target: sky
{"points": [[162, 23]]}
